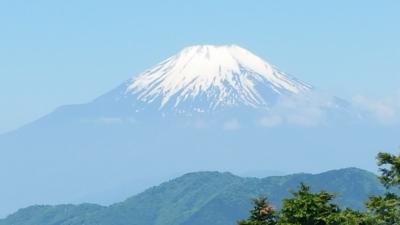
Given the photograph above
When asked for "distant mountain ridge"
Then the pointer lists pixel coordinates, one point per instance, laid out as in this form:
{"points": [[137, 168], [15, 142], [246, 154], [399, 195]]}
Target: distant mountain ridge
{"points": [[201, 198]]}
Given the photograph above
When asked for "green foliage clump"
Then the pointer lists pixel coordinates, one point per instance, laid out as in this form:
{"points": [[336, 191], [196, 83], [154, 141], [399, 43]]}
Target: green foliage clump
{"points": [[308, 208], [261, 214], [351, 217], [390, 169], [386, 209]]}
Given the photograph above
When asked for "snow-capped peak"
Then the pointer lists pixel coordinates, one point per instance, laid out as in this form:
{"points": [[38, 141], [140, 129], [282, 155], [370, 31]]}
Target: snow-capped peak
{"points": [[205, 77]]}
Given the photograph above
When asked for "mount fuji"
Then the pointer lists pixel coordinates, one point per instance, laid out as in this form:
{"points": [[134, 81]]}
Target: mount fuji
{"points": [[205, 108], [205, 79]]}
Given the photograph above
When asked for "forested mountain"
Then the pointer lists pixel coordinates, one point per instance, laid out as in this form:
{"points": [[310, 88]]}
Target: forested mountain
{"points": [[202, 198]]}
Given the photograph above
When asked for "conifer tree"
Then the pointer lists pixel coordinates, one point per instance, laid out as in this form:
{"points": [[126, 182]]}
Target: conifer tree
{"points": [[386, 209], [261, 214], [307, 208]]}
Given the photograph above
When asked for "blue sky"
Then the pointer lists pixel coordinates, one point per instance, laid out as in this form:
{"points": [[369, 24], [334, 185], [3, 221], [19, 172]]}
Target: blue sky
{"points": [[61, 52]]}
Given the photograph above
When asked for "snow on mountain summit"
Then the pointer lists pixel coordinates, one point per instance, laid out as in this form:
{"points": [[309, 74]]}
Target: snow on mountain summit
{"points": [[207, 77]]}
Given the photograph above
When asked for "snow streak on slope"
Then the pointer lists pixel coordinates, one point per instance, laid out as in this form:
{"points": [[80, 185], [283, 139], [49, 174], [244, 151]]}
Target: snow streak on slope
{"points": [[210, 77]]}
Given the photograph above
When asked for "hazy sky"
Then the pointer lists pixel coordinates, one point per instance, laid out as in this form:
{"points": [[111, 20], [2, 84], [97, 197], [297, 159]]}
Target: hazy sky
{"points": [[61, 52]]}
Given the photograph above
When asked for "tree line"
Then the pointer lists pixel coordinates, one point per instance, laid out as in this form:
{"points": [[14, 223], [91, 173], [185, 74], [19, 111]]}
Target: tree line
{"points": [[308, 208]]}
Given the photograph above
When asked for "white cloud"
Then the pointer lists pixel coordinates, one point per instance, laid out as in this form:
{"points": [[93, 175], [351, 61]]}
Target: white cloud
{"points": [[271, 121], [386, 109], [200, 124], [301, 111], [306, 116], [232, 125], [110, 120]]}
